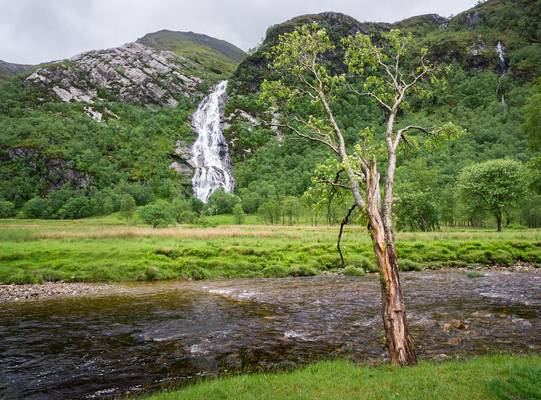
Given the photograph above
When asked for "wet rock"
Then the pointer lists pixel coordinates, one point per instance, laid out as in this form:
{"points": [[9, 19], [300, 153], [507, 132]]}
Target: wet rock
{"points": [[455, 341], [454, 324], [481, 314], [232, 361], [521, 321], [441, 357]]}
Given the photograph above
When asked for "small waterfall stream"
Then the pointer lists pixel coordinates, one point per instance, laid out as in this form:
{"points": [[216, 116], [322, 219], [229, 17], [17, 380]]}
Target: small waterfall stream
{"points": [[210, 151], [500, 52]]}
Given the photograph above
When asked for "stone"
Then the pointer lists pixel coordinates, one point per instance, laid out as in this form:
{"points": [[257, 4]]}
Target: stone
{"points": [[455, 341], [441, 357], [454, 324], [132, 73]]}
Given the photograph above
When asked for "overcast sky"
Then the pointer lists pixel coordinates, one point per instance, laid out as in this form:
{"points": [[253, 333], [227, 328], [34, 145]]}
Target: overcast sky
{"points": [[34, 31]]}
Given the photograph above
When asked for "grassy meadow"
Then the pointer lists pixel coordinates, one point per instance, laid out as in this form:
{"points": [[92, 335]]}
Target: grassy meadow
{"points": [[111, 249], [491, 377]]}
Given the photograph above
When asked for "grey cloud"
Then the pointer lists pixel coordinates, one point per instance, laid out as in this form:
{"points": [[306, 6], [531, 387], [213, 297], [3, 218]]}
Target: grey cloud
{"points": [[33, 31]]}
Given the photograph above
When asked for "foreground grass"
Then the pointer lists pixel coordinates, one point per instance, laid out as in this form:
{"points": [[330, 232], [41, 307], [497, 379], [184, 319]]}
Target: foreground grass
{"points": [[108, 249], [491, 377]]}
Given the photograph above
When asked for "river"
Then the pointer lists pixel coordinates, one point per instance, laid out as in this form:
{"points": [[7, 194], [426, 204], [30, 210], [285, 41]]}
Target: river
{"points": [[161, 334]]}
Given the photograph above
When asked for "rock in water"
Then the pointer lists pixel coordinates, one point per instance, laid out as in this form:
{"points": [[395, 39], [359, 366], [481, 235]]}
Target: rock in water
{"points": [[210, 150]]}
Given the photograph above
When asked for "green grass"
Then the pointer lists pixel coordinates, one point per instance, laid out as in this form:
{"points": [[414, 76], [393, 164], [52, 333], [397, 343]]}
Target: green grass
{"points": [[109, 249], [490, 377]]}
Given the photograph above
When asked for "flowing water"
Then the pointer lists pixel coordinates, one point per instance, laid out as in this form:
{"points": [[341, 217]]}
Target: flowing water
{"points": [[172, 333], [501, 57], [210, 151]]}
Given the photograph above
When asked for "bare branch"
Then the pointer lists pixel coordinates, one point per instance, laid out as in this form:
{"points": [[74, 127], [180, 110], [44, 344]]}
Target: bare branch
{"points": [[400, 133], [334, 184], [312, 138], [342, 224], [371, 94]]}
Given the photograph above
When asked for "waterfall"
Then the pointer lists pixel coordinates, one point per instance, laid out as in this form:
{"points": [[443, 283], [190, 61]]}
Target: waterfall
{"points": [[210, 154], [501, 57], [503, 69]]}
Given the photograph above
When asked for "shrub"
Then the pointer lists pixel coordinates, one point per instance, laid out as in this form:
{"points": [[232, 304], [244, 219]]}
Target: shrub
{"points": [[502, 257], [36, 208], [302, 270], [275, 271], [238, 214], [329, 261], [221, 202], [141, 194], [408, 265], [350, 270], [157, 214], [151, 274], [127, 206], [199, 274], [366, 264], [7, 209], [76, 208]]}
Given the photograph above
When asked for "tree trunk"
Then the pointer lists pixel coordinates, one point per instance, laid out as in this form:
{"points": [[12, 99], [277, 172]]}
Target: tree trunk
{"points": [[499, 218], [399, 342]]}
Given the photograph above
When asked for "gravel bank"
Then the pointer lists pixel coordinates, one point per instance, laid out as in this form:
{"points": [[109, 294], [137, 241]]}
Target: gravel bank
{"points": [[9, 293]]}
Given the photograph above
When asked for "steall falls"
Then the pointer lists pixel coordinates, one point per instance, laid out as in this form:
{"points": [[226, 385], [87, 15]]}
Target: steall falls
{"points": [[210, 150]]}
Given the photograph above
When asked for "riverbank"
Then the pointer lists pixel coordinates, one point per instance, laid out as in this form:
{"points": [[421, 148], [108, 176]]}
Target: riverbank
{"points": [[490, 377], [35, 251], [49, 290]]}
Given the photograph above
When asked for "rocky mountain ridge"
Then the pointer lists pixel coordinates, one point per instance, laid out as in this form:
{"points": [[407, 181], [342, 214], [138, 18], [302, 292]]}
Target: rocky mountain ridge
{"points": [[133, 73]]}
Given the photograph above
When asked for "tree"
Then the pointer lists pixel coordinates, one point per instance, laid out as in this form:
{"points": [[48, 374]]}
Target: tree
{"points": [[532, 118], [291, 209], [238, 214], [269, 212], [36, 208], [221, 202], [182, 211], [7, 209], [305, 93], [76, 207], [157, 214], [493, 186], [127, 206]]}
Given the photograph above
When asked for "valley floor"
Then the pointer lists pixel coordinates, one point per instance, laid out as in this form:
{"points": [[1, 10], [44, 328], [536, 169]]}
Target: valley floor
{"points": [[111, 250], [490, 377]]}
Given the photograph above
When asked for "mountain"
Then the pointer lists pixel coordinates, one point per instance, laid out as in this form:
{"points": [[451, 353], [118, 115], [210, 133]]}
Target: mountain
{"points": [[110, 122], [494, 53], [9, 69], [218, 56]]}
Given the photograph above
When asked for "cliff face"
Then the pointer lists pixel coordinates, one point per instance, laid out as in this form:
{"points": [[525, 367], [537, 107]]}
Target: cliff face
{"points": [[133, 73]]}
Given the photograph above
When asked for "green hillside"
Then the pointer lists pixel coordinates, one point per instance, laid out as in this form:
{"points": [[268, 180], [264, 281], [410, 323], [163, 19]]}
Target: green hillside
{"points": [[218, 56], [484, 96]]}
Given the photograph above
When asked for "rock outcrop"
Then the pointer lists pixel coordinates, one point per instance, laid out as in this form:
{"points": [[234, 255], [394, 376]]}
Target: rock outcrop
{"points": [[55, 172], [132, 73]]}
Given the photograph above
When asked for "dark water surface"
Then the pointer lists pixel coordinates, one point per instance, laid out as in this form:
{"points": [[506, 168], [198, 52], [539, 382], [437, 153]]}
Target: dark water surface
{"points": [[171, 333]]}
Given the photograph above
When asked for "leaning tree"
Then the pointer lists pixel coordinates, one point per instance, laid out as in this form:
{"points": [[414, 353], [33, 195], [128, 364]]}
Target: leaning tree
{"points": [[305, 95]]}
